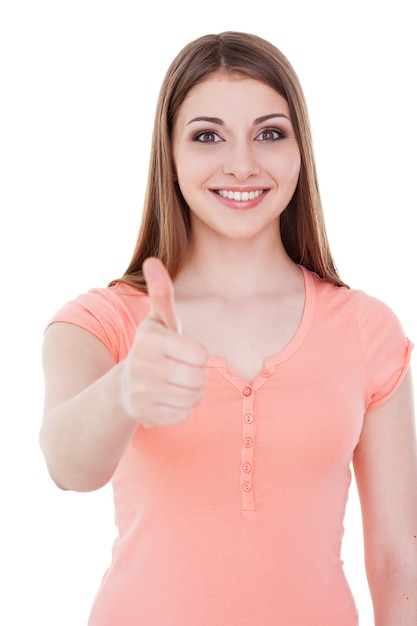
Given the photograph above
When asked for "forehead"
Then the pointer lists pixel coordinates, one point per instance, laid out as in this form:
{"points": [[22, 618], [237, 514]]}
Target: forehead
{"points": [[232, 92]]}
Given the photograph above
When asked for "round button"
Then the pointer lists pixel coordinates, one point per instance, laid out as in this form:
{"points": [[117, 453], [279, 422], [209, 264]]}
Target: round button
{"points": [[248, 418], [247, 468], [247, 391], [248, 442], [247, 487], [265, 373]]}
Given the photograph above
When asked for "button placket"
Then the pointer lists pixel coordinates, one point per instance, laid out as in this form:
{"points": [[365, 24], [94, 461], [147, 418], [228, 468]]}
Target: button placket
{"points": [[247, 448]]}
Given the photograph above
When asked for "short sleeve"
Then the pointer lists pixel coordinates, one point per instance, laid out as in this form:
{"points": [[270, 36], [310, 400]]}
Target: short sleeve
{"points": [[386, 349], [111, 314]]}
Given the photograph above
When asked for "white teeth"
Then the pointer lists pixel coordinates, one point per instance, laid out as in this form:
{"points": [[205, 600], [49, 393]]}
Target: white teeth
{"points": [[240, 196]]}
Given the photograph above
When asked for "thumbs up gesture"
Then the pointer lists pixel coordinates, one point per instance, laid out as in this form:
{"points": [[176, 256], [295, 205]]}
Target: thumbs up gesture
{"points": [[164, 372]]}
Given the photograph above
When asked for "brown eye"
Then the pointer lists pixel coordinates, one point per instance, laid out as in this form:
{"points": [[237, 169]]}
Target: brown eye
{"points": [[207, 137], [270, 134]]}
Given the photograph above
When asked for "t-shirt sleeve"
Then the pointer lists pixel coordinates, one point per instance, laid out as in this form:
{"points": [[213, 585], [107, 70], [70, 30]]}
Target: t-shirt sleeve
{"points": [[96, 312], [386, 349]]}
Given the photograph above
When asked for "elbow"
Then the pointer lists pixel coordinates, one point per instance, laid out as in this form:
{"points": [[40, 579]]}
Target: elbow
{"points": [[57, 482], [395, 569], [76, 481], [50, 466], [66, 476]]}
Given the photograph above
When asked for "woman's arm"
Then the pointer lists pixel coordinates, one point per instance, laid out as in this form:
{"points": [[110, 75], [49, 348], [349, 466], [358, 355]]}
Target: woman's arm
{"points": [[93, 406], [385, 463], [85, 428]]}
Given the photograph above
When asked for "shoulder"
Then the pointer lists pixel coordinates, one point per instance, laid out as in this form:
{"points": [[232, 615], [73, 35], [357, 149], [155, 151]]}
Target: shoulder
{"points": [[354, 320], [123, 299], [107, 304], [368, 310], [112, 314]]}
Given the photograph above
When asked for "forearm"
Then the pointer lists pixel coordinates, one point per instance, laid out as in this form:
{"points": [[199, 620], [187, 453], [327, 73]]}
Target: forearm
{"points": [[84, 437]]}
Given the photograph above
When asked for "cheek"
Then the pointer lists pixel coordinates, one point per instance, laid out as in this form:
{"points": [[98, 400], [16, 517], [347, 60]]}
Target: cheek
{"points": [[292, 166], [193, 170]]}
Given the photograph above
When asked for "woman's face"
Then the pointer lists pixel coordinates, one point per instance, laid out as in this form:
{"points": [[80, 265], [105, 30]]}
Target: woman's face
{"points": [[236, 156]]}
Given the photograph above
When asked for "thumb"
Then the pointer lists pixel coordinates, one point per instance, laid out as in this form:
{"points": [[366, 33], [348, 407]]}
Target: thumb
{"points": [[161, 294]]}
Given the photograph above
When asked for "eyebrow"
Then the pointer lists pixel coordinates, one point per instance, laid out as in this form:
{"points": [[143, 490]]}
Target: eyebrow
{"points": [[264, 118], [204, 118], [217, 120]]}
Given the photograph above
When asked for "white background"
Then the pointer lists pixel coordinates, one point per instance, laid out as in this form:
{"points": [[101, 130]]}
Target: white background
{"points": [[78, 83]]}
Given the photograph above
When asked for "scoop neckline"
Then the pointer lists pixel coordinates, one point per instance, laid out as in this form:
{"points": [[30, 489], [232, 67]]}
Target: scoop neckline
{"points": [[299, 335]]}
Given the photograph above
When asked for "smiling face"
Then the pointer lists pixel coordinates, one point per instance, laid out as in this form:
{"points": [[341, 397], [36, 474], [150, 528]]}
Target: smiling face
{"points": [[236, 157]]}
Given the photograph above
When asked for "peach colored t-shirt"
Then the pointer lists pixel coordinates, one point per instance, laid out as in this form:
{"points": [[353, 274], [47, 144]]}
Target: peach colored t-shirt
{"points": [[235, 517]]}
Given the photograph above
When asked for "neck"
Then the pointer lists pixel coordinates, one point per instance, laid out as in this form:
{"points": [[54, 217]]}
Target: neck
{"points": [[229, 269]]}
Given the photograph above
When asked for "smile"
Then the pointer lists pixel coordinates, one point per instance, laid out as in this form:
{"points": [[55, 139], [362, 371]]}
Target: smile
{"points": [[240, 196]]}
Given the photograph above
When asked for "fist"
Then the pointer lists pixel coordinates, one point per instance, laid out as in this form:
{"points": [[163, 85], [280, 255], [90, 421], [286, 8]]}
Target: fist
{"points": [[164, 372]]}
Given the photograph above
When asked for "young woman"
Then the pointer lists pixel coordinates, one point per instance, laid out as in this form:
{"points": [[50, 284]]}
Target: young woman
{"points": [[227, 414]]}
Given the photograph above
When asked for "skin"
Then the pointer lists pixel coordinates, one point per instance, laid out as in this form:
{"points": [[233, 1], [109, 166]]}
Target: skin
{"points": [[236, 268], [235, 134]]}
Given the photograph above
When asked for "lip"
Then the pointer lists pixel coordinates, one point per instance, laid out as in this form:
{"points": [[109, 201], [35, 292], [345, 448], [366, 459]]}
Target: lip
{"points": [[240, 204]]}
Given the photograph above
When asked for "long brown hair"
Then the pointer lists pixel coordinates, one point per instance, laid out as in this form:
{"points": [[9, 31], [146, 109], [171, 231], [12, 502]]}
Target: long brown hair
{"points": [[166, 216]]}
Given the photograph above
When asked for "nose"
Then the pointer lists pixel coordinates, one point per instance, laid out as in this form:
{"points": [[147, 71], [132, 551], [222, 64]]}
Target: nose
{"points": [[241, 161]]}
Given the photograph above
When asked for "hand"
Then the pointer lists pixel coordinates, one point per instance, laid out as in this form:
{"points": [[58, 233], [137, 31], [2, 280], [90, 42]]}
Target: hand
{"points": [[164, 372]]}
